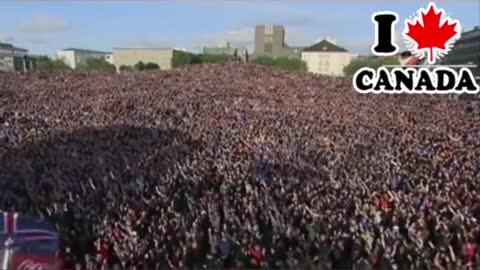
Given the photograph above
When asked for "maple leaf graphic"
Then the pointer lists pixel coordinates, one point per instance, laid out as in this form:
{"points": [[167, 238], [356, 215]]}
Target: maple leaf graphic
{"points": [[432, 32]]}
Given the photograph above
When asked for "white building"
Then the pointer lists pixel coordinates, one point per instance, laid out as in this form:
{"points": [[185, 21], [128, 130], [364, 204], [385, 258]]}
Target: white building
{"points": [[326, 58], [6, 57], [14, 59], [75, 57], [131, 56], [109, 58]]}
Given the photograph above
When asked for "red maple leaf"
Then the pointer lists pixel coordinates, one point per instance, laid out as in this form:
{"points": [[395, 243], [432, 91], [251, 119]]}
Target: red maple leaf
{"points": [[433, 33]]}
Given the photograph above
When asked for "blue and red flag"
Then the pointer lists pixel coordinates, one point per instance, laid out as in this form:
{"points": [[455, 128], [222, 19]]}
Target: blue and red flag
{"points": [[32, 243]]}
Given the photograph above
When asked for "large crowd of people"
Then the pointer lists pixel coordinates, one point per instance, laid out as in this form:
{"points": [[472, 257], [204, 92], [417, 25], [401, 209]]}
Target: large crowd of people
{"points": [[241, 166]]}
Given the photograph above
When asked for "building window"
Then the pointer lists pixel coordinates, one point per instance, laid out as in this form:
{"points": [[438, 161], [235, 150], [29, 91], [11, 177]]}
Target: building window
{"points": [[268, 29], [268, 39], [268, 47]]}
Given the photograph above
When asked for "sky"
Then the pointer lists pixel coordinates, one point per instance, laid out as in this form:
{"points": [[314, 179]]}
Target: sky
{"points": [[44, 27]]}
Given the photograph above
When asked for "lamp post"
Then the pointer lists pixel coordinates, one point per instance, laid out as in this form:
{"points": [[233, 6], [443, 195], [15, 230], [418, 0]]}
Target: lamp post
{"points": [[7, 253]]}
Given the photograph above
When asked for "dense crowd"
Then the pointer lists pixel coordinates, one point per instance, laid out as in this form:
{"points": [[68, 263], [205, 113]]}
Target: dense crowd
{"points": [[240, 166]]}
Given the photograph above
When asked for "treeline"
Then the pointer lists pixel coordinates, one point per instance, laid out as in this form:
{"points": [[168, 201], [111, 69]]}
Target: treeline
{"points": [[374, 63], [281, 63], [47, 64], [179, 59], [94, 64], [184, 58], [140, 66]]}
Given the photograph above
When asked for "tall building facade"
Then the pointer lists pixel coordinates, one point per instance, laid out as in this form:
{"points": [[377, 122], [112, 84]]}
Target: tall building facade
{"points": [[270, 42], [466, 50]]}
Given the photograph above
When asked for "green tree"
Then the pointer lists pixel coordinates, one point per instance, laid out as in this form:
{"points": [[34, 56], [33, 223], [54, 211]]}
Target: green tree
{"points": [[97, 64], [151, 66], [215, 58], [139, 66], [282, 63], [125, 68], [196, 59], [47, 64], [180, 58], [374, 63], [184, 58]]}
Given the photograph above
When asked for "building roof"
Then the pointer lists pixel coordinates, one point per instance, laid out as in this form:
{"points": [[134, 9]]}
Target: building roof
{"points": [[224, 51], [324, 46], [140, 48], [6, 45], [475, 32], [11, 47], [272, 25], [223, 47], [20, 49], [85, 50], [474, 29]]}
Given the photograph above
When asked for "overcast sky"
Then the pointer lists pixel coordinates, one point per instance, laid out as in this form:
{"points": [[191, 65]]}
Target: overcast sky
{"points": [[44, 27]]}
